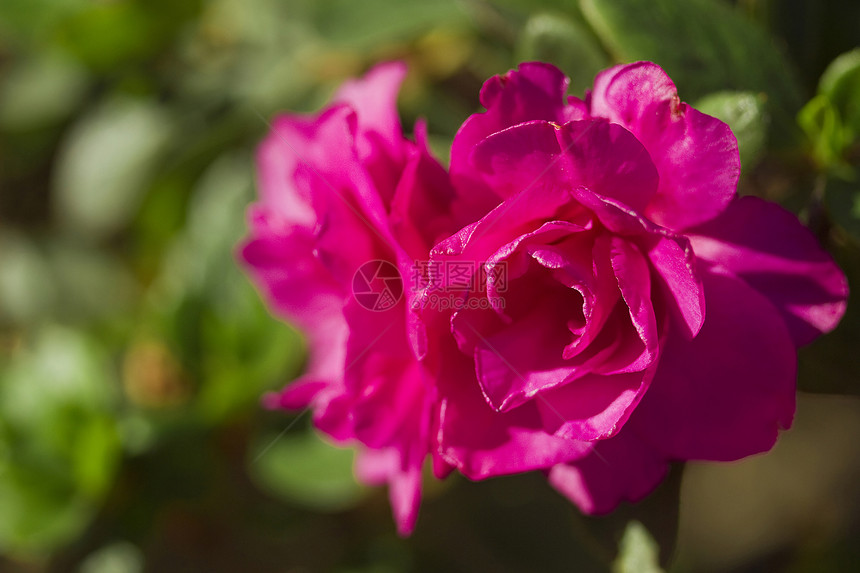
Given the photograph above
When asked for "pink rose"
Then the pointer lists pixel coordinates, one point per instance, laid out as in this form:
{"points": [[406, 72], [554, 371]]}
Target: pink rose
{"points": [[337, 190], [587, 296]]}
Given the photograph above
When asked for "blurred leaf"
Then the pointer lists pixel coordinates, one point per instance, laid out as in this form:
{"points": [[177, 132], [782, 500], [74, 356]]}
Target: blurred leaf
{"points": [[259, 51], [746, 114], [361, 25], [705, 46], [63, 367], [95, 456], [821, 123], [840, 82], [305, 470], [41, 90], [105, 163], [110, 35], [244, 360], [56, 401], [26, 21], [565, 43], [638, 552], [27, 287], [121, 557], [215, 223], [210, 310], [831, 119], [92, 284], [39, 514], [60, 280]]}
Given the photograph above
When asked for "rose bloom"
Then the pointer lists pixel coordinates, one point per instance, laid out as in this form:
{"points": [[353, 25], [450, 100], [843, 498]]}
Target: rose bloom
{"points": [[646, 314]]}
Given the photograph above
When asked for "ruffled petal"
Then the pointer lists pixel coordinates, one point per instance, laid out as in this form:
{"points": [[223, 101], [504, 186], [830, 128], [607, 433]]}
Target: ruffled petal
{"points": [[592, 407], [517, 362], [481, 442], [535, 91], [695, 154], [295, 142], [595, 154], [678, 286], [381, 375], [379, 139], [774, 253], [420, 211], [298, 287], [373, 97]]}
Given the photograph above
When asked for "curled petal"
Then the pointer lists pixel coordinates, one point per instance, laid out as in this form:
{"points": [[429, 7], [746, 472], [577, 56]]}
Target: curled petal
{"points": [[695, 154], [533, 92], [678, 284], [595, 154], [483, 443], [774, 253]]}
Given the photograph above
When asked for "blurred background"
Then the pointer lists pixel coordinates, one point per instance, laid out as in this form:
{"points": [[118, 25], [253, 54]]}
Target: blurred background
{"points": [[133, 352]]}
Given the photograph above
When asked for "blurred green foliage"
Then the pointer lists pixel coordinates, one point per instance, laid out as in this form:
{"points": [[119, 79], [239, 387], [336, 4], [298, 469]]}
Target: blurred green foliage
{"points": [[133, 352]]}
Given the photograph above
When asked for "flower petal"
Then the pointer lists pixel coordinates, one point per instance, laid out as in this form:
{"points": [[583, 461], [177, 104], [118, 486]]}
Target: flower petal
{"points": [[678, 286], [483, 443], [519, 361], [596, 154], [592, 407], [379, 137], [774, 253], [374, 99], [535, 91], [420, 211], [381, 375], [695, 154], [623, 468], [726, 393], [294, 142], [298, 287]]}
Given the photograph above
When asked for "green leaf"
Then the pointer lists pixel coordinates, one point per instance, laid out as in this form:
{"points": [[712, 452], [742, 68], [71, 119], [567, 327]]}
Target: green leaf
{"points": [[820, 121], [120, 557], [746, 114], [358, 25], [208, 308], [705, 46], [638, 552], [62, 368], [840, 82], [96, 454], [41, 90], [27, 287], [60, 280], [93, 284], [61, 446], [305, 470], [567, 44], [105, 164]]}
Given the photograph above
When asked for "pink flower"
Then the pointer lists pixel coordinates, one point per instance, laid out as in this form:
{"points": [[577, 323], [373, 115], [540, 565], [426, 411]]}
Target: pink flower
{"points": [[610, 304], [337, 190]]}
